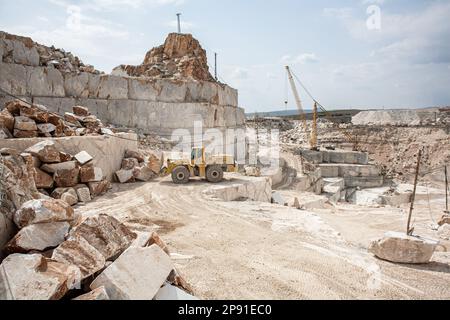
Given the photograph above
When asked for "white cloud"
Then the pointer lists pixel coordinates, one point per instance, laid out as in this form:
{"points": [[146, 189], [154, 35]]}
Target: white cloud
{"points": [[304, 58], [240, 73]]}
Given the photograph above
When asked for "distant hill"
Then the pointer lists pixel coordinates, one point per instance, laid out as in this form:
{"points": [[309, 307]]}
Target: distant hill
{"points": [[282, 113]]}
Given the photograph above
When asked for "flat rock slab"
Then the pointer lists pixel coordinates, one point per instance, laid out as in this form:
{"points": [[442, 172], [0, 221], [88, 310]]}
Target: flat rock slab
{"points": [[106, 234], [38, 237], [400, 248], [45, 151], [45, 211], [172, 293], [33, 277], [83, 157], [137, 274]]}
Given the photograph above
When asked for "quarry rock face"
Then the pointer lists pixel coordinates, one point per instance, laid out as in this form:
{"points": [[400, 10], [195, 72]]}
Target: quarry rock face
{"points": [[400, 248], [180, 57], [45, 151]]}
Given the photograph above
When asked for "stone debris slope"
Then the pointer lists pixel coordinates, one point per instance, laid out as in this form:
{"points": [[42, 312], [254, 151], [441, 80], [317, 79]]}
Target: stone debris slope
{"points": [[180, 57]]}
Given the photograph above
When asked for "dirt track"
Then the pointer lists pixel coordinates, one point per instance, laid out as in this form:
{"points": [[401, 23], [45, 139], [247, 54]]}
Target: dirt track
{"points": [[250, 250]]}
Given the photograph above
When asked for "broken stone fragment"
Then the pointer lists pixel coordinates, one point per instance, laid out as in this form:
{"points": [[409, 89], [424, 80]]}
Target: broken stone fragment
{"points": [[444, 220], [172, 293], [91, 174], [67, 178], [58, 192], [98, 294], [34, 277], [72, 119], [31, 161], [129, 163], [52, 168], [46, 128], [154, 164], [80, 111], [106, 131], [7, 120], [45, 211], [4, 133], [155, 239], [175, 278], [135, 154], [106, 234], [143, 174], [38, 237], [78, 252], [70, 196], [99, 188], [45, 151], [400, 248], [21, 134], [14, 107], [83, 193], [42, 179], [277, 198], [83, 158], [65, 157], [38, 113], [124, 176], [137, 274], [24, 124]]}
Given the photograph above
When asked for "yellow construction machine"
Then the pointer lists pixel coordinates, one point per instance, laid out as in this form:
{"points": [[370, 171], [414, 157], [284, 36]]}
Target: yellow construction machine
{"points": [[204, 165]]}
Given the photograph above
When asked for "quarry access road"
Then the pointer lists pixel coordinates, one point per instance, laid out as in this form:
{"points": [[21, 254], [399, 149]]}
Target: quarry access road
{"points": [[253, 250]]}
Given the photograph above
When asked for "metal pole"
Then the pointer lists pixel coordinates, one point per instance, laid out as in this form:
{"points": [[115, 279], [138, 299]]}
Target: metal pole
{"points": [[179, 22], [409, 231], [215, 65], [446, 190]]}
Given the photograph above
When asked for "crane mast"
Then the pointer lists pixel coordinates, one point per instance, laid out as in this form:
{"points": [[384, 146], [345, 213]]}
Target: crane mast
{"points": [[313, 134]]}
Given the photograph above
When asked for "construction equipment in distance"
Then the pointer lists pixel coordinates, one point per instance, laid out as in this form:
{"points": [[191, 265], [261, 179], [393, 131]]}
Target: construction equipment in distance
{"points": [[201, 164], [313, 134]]}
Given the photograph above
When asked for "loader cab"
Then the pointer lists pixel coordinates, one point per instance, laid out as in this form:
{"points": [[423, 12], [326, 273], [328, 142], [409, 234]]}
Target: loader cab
{"points": [[198, 156]]}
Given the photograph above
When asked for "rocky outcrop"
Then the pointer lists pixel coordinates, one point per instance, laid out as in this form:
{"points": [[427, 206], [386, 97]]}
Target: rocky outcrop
{"points": [[180, 57]]}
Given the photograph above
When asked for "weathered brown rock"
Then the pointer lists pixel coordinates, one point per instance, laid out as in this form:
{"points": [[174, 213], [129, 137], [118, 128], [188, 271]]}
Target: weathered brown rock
{"points": [[154, 164], [67, 178], [38, 113], [135, 154], [129, 163], [31, 160], [45, 211], [45, 128], [444, 220], [65, 157], [80, 111], [70, 196], [72, 119], [143, 174], [78, 252], [58, 192], [99, 188], [98, 294], [14, 107], [42, 179], [5, 133], [91, 174], [155, 239], [38, 237], [7, 120], [24, 124], [45, 151], [175, 278], [21, 134], [33, 277], [106, 234]]}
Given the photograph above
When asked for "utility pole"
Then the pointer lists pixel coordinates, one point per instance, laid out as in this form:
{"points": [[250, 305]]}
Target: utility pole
{"points": [[179, 22], [215, 66], [409, 231], [446, 191]]}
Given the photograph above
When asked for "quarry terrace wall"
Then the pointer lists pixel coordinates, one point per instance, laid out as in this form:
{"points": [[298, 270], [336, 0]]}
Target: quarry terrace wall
{"points": [[155, 106]]}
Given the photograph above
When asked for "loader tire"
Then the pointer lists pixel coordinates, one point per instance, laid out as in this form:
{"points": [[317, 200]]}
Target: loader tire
{"points": [[180, 175], [214, 174]]}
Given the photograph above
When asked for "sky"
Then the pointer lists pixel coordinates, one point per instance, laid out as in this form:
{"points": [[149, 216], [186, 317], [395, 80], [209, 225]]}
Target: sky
{"points": [[348, 53]]}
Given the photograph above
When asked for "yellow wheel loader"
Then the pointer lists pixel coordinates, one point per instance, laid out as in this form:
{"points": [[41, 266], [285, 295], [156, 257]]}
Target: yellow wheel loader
{"points": [[201, 164]]}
